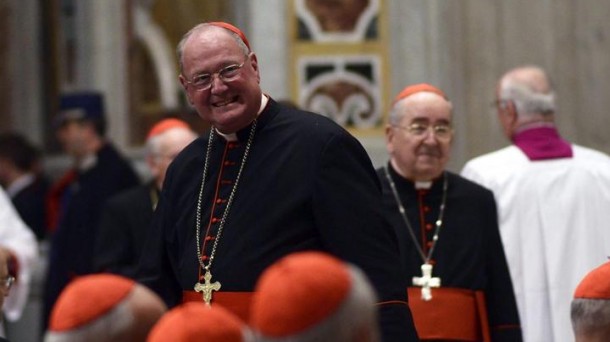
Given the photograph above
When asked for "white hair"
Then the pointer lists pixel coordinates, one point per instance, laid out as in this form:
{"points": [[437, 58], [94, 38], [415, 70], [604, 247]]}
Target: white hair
{"points": [[113, 326], [153, 145], [590, 315], [357, 315], [527, 101]]}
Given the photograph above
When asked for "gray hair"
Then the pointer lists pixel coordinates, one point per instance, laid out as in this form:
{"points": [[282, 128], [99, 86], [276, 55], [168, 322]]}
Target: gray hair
{"points": [[152, 147], [180, 49], [590, 315], [526, 100], [114, 326], [356, 314]]}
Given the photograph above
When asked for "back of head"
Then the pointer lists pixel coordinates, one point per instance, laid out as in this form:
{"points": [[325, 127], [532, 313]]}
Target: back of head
{"points": [[164, 142], [82, 106], [311, 296], [195, 321], [19, 151], [104, 307], [529, 88], [167, 127], [590, 311]]}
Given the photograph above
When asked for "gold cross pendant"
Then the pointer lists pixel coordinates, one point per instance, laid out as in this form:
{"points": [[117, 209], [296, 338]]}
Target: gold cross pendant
{"points": [[207, 287]]}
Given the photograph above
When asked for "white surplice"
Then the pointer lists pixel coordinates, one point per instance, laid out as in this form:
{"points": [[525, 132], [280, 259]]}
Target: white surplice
{"points": [[555, 226], [17, 237]]}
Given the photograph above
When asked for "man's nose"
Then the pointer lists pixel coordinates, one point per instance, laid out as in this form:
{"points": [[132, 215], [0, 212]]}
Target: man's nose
{"points": [[217, 84]]}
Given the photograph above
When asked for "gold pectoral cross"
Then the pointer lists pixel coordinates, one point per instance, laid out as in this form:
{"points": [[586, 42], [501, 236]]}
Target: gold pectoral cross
{"points": [[207, 287], [426, 281]]}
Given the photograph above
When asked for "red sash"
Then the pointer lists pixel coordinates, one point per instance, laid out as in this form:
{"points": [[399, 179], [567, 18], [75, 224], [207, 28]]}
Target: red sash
{"points": [[236, 302], [451, 314]]}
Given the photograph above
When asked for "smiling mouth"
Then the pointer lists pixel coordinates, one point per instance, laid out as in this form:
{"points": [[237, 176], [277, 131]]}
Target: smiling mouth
{"points": [[225, 102], [432, 154]]}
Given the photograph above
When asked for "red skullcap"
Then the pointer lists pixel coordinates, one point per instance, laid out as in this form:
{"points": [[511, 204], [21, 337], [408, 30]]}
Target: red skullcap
{"points": [[88, 298], [418, 88], [232, 29], [298, 292], [193, 321], [596, 284], [165, 125]]}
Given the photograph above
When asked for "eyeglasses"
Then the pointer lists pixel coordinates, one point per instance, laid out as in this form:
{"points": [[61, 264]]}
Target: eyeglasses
{"points": [[226, 74], [419, 130], [7, 283]]}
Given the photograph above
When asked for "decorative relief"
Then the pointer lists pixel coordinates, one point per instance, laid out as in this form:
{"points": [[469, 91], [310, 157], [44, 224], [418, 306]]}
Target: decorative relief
{"points": [[339, 54], [344, 88]]}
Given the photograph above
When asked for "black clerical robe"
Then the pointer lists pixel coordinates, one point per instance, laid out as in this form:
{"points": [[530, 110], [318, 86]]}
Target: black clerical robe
{"points": [[73, 242], [30, 204], [307, 185], [469, 252], [124, 225]]}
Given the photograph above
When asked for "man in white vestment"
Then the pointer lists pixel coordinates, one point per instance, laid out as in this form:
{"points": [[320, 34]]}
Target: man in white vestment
{"points": [[553, 200], [19, 245]]}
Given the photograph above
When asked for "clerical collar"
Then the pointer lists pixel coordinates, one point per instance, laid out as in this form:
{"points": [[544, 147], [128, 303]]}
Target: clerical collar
{"points": [[417, 185], [19, 184], [233, 136], [87, 163], [541, 141], [423, 185]]}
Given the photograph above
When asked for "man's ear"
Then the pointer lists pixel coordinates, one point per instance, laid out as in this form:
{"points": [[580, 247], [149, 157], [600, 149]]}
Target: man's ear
{"points": [[511, 112], [389, 138], [184, 86], [254, 63]]}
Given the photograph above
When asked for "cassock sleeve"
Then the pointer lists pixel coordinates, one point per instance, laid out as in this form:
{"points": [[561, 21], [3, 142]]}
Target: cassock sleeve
{"points": [[500, 296], [347, 208]]}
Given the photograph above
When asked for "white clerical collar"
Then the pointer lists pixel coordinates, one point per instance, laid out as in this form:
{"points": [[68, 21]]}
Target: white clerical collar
{"points": [[87, 162], [233, 136], [19, 184], [423, 185]]}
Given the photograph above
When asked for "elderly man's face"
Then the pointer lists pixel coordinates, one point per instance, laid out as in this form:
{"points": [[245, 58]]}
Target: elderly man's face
{"points": [[419, 145], [230, 104], [169, 145]]}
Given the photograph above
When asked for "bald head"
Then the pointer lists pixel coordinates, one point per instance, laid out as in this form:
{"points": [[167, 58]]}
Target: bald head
{"points": [[202, 28], [532, 77]]}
